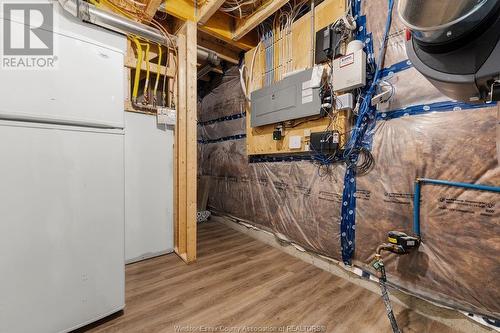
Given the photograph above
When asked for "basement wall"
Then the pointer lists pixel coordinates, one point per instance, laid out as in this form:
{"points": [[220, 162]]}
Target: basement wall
{"points": [[457, 264]]}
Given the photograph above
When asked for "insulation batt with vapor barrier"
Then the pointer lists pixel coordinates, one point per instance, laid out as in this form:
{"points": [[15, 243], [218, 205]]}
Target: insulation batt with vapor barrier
{"points": [[458, 262]]}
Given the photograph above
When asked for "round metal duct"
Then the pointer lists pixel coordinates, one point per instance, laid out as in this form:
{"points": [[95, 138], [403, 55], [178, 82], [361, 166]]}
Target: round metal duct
{"points": [[433, 21]]}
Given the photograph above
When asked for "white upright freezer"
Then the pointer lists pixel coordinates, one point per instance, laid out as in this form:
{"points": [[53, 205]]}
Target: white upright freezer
{"points": [[62, 184], [149, 176]]}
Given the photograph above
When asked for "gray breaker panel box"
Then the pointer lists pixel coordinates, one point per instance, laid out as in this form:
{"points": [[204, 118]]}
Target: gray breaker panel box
{"points": [[288, 99]]}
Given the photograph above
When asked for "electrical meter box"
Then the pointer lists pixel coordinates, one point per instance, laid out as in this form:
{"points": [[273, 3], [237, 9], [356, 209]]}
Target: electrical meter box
{"points": [[349, 71], [291, 98]]}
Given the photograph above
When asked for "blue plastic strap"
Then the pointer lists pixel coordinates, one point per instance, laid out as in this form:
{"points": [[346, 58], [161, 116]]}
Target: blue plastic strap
{"points": [[432, 107], [222, 119], [359, 138], [226, 138], [279, 158], [396, 68]]}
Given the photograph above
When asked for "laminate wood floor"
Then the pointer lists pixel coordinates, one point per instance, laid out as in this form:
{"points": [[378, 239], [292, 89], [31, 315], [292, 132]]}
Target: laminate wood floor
{"points": [[240, 283]]}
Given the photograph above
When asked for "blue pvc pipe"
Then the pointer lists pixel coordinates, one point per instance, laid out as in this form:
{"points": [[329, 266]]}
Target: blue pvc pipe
{"points": [[421, 181], [416, 209], [457, 184]]}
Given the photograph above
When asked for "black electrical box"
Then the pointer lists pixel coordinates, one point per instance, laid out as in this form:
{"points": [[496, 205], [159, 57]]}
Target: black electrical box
{"points": [[277, 135], [325, 143], [495, 91], [327, 45]]}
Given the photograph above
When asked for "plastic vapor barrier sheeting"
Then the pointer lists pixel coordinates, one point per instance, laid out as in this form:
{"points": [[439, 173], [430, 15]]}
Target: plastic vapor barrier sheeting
{"points": [[458, 262]]}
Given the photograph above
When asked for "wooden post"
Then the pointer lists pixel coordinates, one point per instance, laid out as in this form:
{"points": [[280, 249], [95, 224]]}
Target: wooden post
{"points": [[185, 181]]}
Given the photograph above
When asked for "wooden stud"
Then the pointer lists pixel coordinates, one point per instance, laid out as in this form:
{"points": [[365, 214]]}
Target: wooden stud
{"points": [[181, 146], [185, 181], [191, 139]]}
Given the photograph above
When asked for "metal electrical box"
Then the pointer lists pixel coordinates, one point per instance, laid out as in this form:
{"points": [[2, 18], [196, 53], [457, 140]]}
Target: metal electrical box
{"points": [[349, 71], [291, 98]]}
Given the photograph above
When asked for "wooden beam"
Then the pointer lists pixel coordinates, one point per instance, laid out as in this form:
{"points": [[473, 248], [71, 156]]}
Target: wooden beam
{"points": [[219, 25], [244, 26], [208, 9], [191, 138], [225, 50], [180, 151], [185, 170], [182, 9], [152, 8]]}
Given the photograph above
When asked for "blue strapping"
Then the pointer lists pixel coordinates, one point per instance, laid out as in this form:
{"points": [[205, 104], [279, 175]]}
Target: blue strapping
{"points": [[396, 68], [360, 137], [221, 119], [356, 8], [226, 138], [432, 107], [280, 158], [414, 110], [361, 32]]}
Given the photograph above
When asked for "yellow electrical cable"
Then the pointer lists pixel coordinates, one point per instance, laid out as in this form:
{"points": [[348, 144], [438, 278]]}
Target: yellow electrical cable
{"points": [[137, 69], [146, 85], [158, 71]]}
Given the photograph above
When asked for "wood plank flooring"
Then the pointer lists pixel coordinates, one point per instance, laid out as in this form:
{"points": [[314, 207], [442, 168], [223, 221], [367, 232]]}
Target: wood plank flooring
{"points": [[240, 282]]}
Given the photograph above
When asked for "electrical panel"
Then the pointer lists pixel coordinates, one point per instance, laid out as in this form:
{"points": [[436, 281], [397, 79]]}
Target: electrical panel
{"points": [[291, 98], [349, 71]]}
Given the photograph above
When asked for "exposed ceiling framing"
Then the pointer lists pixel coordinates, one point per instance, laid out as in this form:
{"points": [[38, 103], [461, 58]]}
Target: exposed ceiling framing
{"points": [[219, 25], [218, 31]]}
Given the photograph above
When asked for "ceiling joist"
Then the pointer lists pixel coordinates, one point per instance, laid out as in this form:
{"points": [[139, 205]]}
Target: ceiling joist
{"points": [[244, 26], [152, 8], [225, 51], [219, 25], [208, 9]]}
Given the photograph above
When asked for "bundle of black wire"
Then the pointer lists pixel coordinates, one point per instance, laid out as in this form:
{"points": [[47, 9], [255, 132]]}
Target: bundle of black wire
{"points": [[364, 162]]}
